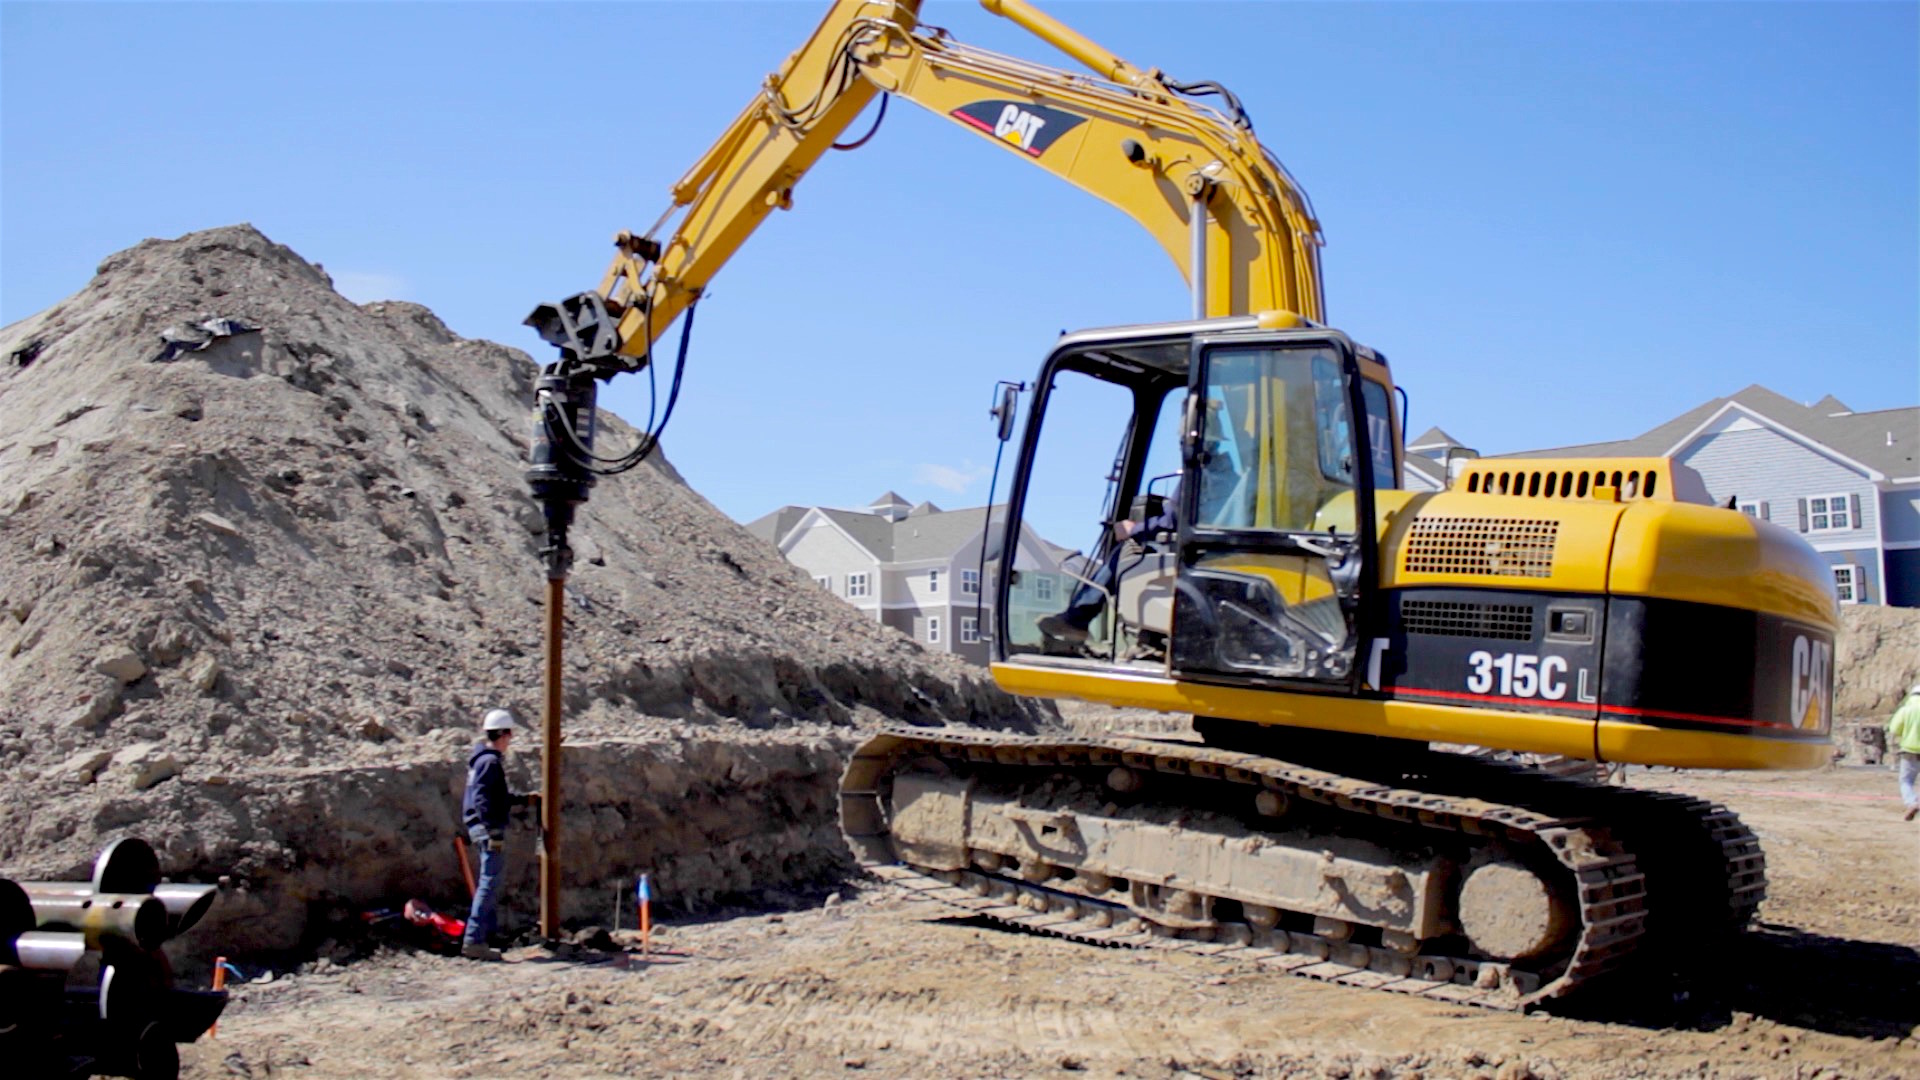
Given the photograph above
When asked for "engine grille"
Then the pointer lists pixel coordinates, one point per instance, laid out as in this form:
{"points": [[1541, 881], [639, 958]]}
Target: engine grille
{"points": [[1482, 546], [1453, 618]]}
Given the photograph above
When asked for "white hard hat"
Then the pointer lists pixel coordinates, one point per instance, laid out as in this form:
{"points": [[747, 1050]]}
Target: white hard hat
{"points": [[498, 720]]}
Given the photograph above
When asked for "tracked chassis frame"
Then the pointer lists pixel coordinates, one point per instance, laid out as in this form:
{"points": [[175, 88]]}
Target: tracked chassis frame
{"points": [[1450, 877]]}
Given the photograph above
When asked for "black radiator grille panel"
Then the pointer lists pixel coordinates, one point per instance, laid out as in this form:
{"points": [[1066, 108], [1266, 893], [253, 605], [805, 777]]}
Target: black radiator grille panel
{"points": [[1454, 618]]}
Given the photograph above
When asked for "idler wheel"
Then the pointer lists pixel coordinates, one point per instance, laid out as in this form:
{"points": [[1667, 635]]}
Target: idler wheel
{"points": [[1509, 913]]}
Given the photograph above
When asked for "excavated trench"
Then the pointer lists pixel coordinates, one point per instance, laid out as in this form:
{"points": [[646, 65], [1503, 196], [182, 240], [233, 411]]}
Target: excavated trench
{"points": [[711, 818]]}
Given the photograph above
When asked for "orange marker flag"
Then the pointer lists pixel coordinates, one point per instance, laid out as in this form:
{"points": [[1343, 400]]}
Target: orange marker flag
{"points": [[219, 983]]}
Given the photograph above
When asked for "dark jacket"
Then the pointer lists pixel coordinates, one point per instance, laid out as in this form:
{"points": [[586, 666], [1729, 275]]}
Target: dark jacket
{"points": [[487, 800]]}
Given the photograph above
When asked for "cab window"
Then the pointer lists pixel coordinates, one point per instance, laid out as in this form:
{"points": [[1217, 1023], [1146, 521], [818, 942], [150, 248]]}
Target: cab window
{"points": [[1278, 440], [1380, 443]]}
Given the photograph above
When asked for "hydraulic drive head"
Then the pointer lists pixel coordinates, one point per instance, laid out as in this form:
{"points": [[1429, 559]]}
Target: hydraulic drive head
{"points": [[557, 456]]}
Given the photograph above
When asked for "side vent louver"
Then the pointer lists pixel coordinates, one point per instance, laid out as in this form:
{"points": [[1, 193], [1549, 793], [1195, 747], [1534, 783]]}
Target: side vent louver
{"points": [[1564, 483], [1449, 618], [1481, 546]]}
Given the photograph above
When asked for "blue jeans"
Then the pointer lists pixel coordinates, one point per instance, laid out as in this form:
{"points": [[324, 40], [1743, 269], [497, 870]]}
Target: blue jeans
{"points": [[1909, 772], [486, 894]]}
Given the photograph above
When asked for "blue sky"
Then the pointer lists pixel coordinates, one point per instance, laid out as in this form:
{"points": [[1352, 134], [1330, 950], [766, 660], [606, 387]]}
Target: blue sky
{"points": [[1563, 222]]}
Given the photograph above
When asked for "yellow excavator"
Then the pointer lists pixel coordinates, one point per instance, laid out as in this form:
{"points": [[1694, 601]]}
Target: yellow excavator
{"points": [[1260, 567]]}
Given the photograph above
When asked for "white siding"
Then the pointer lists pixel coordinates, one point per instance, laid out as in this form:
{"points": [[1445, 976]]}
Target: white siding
{"points": [[822, 550], [913, 586]]}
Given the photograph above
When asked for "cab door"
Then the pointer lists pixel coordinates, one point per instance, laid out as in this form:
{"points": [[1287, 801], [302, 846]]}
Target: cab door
{"points": [[1276, 576]]}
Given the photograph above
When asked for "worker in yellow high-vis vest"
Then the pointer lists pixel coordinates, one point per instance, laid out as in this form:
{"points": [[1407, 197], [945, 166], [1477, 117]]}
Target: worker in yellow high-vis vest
{"points": [[1903, 738]]}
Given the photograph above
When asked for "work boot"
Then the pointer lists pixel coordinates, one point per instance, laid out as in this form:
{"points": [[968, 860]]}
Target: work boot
{"points": [[1059, 629], [474, 950], [1912, 812]]}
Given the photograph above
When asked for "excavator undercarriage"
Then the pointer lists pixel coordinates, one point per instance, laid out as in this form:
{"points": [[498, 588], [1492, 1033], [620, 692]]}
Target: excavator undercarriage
{"points": [[1430, 873]]}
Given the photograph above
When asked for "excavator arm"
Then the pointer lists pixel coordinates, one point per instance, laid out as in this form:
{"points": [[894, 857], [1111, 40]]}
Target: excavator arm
{"points": [[1225, 210]]}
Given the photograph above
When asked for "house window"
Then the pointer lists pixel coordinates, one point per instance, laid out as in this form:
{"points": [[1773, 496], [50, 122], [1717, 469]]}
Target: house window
{"points": [[856, 586], [1754, 508], [824, 582], [970, 582], [1043, 588], [933, 631], [1829, 514], [933, 581], [969, 630], [1846, 583]]}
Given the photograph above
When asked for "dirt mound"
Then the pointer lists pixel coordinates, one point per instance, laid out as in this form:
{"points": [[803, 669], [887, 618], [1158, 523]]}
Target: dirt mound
{"points": [[256, 585], [1878, 659]]}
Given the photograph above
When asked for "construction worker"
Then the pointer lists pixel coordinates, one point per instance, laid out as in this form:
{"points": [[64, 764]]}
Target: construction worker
{"points": [[484, 811], [1903, 738]]}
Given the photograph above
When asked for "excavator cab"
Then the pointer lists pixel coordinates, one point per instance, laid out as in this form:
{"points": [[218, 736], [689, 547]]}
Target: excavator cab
{"points": [[1227, 548]]}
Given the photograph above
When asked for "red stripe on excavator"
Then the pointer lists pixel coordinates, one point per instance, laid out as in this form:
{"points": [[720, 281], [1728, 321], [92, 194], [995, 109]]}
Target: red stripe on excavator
{"points": [[1617, 710], [1623, 710], [973, 121], [1531, 703]]}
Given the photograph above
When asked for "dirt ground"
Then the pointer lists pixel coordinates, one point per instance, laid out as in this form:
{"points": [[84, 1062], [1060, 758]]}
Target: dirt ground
{"points": [[868, 983]]}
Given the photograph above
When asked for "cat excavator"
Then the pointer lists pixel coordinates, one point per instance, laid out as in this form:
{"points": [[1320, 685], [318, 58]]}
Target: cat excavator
{"points": [[1261, 568]]}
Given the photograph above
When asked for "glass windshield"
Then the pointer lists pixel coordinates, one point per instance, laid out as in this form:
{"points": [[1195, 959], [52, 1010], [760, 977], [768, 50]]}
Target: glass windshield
{"points": [[1278, 442]]}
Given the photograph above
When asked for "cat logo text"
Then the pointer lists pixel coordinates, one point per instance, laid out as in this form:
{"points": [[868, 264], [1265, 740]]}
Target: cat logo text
{"points": [[1027, 128]]}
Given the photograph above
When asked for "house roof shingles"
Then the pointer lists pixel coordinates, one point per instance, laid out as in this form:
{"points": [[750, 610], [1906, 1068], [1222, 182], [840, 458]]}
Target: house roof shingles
{"points": [[1435, 437], [1860, 436], [771, 527], [930, 533], [870, 531]]}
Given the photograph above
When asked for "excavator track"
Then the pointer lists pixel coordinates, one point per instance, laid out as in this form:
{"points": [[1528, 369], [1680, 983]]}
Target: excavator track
{"points": [[1569, 825]]}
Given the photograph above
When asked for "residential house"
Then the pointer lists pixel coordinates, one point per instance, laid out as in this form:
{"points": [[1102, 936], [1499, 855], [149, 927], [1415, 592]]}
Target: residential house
{"points": [[1846, 481], [917, 568], [1426, 460]]}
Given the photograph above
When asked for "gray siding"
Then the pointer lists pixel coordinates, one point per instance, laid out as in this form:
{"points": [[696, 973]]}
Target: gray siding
{"points": [[1765, 465], [1901, 512], [980, 652], [901, 619], [1903, 577]]}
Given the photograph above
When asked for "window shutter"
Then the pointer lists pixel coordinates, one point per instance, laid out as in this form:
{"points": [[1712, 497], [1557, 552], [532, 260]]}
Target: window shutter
{"points": [[1803, 515], [1854, 502], [1766, 511]]}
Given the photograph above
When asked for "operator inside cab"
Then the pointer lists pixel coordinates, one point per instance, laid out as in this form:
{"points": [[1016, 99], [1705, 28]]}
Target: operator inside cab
{"points": [[1153, 527]]}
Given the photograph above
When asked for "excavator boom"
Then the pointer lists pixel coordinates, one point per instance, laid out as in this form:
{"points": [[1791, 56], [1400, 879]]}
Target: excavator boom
{"points": [[1223, 208]]}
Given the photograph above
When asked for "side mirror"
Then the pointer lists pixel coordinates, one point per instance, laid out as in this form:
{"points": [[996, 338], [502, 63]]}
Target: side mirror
{"points": [[1005, 411]]}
